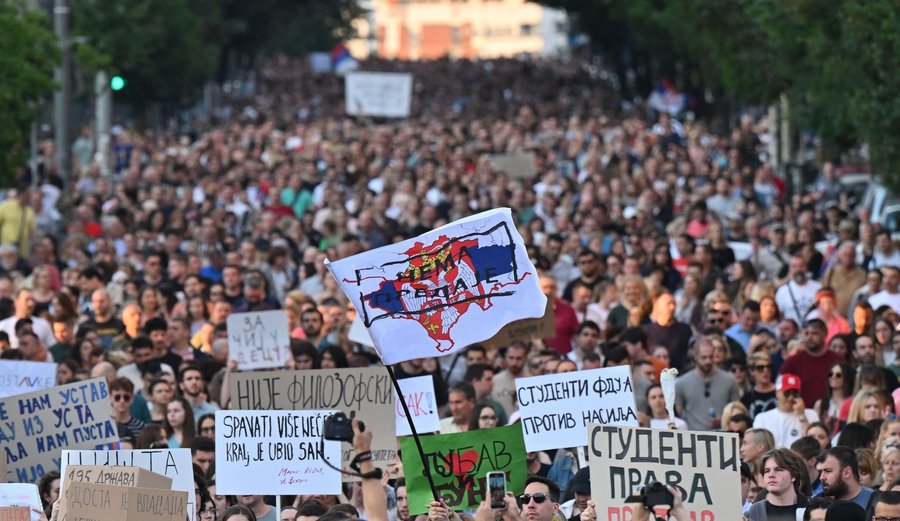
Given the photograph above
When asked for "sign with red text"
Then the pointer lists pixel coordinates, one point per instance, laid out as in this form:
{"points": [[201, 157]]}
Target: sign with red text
{"points": [[259, 340], [19, 376], [418, 393], [704, 467], [15, 514], [22, 495], [275, 452]]}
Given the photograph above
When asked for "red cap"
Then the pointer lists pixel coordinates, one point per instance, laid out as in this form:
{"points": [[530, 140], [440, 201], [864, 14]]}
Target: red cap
{"points": [[787, 382]]}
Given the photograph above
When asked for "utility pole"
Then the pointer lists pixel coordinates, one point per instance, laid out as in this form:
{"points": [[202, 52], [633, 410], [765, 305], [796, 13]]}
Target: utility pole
{"points": [[103, 118], [62, 98]]}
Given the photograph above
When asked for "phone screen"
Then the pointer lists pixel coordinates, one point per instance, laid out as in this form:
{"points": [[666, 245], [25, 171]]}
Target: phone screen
{"points": [[497, 487]]}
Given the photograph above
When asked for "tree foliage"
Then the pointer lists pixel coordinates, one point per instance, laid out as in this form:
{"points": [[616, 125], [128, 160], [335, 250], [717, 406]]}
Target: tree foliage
{"points": [[28, 53], [836, 60]]}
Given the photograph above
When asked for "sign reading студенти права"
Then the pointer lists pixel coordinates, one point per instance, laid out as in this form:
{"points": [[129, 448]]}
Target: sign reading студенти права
{"points": [[443, 290]]}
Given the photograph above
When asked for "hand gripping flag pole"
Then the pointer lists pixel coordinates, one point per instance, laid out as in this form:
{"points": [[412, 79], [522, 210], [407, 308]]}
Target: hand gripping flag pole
{"points": [[412, 428]]}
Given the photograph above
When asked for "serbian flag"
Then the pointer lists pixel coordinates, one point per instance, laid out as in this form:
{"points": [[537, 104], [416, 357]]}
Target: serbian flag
{"points": [[342, 61], [666, 98], [444, 290]]}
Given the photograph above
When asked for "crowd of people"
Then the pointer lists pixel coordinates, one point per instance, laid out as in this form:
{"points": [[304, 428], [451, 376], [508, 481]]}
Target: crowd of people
{"points": [[660, 244]]}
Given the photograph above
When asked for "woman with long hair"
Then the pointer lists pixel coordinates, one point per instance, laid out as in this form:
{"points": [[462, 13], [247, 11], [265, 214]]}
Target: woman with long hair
{"points": [[42, 290], [662, 260], [687, 299], [152, 435], [740, 282], [197, 313], [483, 416], [152, 304], [179, 423], [656, 410], [866, 406], [884, 328], [840, 387], [769, 314], [761, 397], [87, 354], [333, 357]]}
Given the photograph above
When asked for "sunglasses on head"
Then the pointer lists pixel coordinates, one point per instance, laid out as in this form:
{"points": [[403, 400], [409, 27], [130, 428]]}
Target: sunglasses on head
{"points": [[539, 498], [121, 397]]}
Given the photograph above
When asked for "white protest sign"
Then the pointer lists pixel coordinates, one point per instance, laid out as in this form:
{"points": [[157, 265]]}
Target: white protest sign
{"points": [[283, 451], [259, 340], [703, 466], [17, 377], [557, 408], [172, 463], [418, 393], [386, 94], [21, 494]]}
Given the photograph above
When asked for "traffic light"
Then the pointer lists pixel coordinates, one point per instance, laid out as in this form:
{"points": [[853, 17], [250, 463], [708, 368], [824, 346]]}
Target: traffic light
{"points": [[117, 83]]}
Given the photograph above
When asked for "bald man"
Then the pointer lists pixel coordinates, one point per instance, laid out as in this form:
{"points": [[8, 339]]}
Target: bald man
{"points": [[104, 322], [131, 323]]}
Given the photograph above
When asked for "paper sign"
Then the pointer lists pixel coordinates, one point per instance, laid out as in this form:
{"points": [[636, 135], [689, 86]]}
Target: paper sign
{"points": [[524, 330], [118, 476], [557, 408], [320, 62], [17, 377], [173, 463], [15, 514], [283, 451], [418, 392], [259, 340], [459, 463], [520, 165], [385, 94], [22, 494], [365, 392], [89, 502], [703, 466], [35, 426]]}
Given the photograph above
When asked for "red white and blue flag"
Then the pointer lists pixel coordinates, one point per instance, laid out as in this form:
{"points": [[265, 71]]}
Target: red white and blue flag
{"points": [[342, 61], [444, 290]]}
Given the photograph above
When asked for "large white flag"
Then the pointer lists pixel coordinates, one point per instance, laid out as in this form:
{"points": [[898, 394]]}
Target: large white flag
{"points": [[443, 290]]}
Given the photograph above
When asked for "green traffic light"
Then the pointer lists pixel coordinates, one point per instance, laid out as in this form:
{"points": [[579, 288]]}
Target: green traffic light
{"points": [[117, 83]]}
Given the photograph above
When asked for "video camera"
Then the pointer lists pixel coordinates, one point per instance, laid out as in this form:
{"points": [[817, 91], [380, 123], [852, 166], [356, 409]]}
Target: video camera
{"points": [[653, 495]]}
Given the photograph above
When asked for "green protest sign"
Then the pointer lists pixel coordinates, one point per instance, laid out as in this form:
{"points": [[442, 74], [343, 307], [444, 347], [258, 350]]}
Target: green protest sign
{"points": [[459, 464]]}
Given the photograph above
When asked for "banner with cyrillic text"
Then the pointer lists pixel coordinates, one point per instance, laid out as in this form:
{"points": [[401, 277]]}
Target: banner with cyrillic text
{"points": [[281, 452], [118, 476], [446, 289], [459, 463], [418, 393], [259, 340], [704, 467], [557, 408], [385, 94], [173, 463], [89, 501], [35, 427], [19, 376], [364, 392]]}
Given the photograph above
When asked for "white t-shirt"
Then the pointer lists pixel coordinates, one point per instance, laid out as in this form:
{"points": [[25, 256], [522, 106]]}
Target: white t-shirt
{"points": [[883, 298], [656, 423], [784, 426], [804, 296]]}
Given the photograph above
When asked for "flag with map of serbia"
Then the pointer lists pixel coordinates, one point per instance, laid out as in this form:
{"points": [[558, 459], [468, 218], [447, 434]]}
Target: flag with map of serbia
{"points": [[443, 290]]}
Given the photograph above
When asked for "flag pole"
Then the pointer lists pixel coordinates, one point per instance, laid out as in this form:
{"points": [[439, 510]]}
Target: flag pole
{"points": [[415, 434]]}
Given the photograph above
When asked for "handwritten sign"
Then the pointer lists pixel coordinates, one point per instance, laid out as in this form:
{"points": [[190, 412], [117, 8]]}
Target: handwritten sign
{"points": [[384, 94], [259, 340], [90, 502], [525, 329], [172, 463], [118, 476], [459, 463], [18, 376], [15, 514], [520, 165], [22, 494], [365, 392], [283, 451], [703, 466], [418, 393], [35, 426], [557, 408]]}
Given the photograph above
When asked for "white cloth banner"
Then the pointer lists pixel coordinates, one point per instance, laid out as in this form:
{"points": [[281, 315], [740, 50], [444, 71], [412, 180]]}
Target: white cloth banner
{"points": [[418, 392], [557, 408], [281, 450], [446, 289], [172, 463], [259, 340], [386, 94], [17, 377]]}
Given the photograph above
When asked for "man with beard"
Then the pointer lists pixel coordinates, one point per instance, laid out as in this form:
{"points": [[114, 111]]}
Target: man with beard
{"points": [[402, 500], [839, 475], [812, 363], [795, 298], [864, 352], [701, 394], [590, 269], [192, 386]]}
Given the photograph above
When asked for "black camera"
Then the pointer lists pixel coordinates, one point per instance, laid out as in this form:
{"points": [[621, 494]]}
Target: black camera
{"points": [[653, 495], [338, 427]]}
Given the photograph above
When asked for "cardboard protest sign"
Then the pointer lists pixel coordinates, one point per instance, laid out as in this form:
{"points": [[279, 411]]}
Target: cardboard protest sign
{"points": [[525, 329], [520, 165], [703, 466], [384, 94], [365, 392], [418, 393], [172, 463], [459, 464], [282, 450], [17, 376], [22, 495], [259, 340], [15, 514], [89, 502], [35, 426], [557, 408], [117, 476]]}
